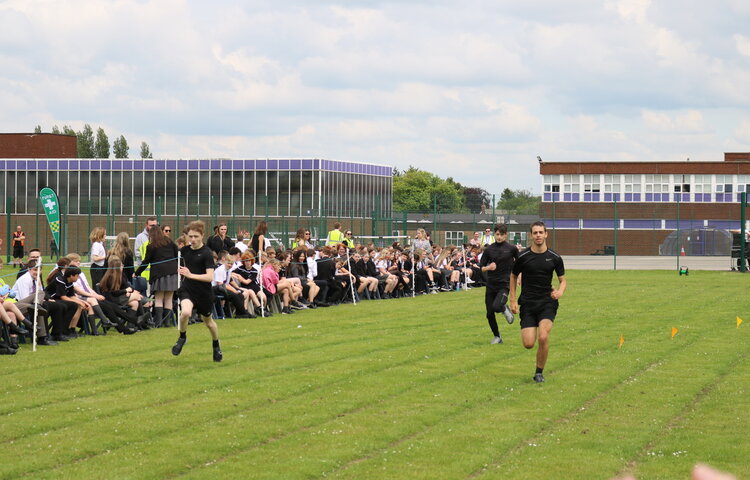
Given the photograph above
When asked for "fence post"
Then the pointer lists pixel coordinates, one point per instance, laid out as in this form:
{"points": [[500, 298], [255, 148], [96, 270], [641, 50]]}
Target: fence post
{"points": [[434, 219], [743, 206], [554, 221], [36, 221], [617, 225], [679, 240], [8, 203]]}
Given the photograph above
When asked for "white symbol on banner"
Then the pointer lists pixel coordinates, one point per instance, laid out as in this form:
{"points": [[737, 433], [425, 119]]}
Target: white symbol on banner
{"points": [[50, 204]]}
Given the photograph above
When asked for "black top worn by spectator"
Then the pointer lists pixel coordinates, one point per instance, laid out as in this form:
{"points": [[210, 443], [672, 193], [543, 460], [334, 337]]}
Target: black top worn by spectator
{"points": [[163, 261], [59, 287], [217, 244], [326, 269], [537, 269], [504, 255]]}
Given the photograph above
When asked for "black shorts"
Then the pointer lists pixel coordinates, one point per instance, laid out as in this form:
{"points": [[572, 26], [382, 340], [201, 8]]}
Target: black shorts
{"points": [[202, 299], [534, 311], [17, 251]]}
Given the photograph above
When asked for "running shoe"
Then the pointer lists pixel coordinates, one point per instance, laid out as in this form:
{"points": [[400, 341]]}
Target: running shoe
{"points": [[508, 315], [218, 356], [496, 340], [177, 347], [538, 378]]}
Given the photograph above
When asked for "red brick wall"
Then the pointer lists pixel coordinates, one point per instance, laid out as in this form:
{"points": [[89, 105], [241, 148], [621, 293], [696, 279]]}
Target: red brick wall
{"points": [[37, 145], [667, 211]]}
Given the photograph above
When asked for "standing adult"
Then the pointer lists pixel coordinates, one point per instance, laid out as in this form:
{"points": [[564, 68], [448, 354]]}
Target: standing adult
{"points": [[219, 241], [195, 291], [348, 240], [302, 240], [538, 301], [258, 241], [161, 255], [98, 254], [487, 238], [335, 236], [141, 242], [421, 242], [17, 242], [497, 260]]}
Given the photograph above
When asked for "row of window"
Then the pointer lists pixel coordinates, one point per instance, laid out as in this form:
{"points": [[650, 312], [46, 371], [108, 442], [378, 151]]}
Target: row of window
{"points": [[641, 183], [224, 193]]}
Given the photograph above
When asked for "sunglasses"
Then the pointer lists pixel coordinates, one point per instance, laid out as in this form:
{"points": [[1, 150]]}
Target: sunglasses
{"points": [[348, 233], [167, 230], [308, 233]]}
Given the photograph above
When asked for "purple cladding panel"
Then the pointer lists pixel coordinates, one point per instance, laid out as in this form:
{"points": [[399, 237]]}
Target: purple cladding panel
{"points": [[204, 165], [215, 164], [148, 164], [567, 197], [628, 197], [595, 197], [272, 164], [138, 164], [316, 164], [116, 164], [724, 224], [40, 165], [636, 197], [21, 164], [576, 197], [547, 197], [2, 164], [562, 223], [642, 224], [307, 164], [649, 197], [226, 164], [586, 197], [171, 164], [607, 197], [106, 164], [84, 165], [194, 164], [249, 164], [283, 164], [63, 165], [236, 164], [260, 164], [719, 197], [11, 165], [598, 223], [295, 164], [127, 164]]}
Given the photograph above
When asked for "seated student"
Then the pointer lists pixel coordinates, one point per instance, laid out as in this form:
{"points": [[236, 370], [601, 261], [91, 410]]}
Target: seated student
{"points": [[246, 278], [119, 293], [326, 272], [60, 291], [423, 274], [270, 280], [27, 291], [223, 286], [292, 282], [344, 278], [449, 276], [298, 268], [13, 319], [86, 293], [458, 262], [403, 271], [388, 281], [312, 274], [363, 282]]}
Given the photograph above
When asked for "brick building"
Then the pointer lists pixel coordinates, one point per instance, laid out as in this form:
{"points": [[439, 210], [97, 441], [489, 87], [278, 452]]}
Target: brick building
{"points": [[37, 145], [592, 206]]}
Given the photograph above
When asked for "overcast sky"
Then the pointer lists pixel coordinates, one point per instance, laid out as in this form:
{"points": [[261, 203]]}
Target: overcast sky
{"points": [[471, 89]]}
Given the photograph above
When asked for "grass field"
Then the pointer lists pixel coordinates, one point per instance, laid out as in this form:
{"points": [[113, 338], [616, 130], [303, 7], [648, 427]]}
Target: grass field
{"points": [[401, 389]]}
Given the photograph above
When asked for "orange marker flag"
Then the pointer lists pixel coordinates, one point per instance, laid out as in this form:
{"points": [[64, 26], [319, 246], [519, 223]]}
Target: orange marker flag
{"points": [[674, 332], [622, 340], [739, 322]]}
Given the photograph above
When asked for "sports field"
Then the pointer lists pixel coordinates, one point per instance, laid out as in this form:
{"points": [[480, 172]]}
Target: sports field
{"points": [[402, 389]]}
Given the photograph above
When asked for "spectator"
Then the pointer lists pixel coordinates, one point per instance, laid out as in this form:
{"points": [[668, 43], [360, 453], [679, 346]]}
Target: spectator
{"points": [[98, 254], [246, 277], [335, 236], [240, 244], [117, 291], [167, 231], [18, 241], [121, 249], [258, 241], [85, 292], [27, 291], [348, 240], [219, 240], [224, 286], [34, 254], [61, 291], [475, 240], [421, 242], [161, 255], [300, 269], [141, 242], [302, 239]]}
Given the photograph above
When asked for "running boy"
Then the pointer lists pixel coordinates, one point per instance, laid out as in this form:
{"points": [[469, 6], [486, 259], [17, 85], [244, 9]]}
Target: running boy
{"points": [[195, 291], [538, 300]]}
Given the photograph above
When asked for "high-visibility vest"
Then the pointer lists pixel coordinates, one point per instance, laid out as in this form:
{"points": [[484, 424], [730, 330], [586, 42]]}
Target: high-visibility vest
{"points": [[147, 272], [335, 237], [17, 235], [486, 239], [348, 242]]}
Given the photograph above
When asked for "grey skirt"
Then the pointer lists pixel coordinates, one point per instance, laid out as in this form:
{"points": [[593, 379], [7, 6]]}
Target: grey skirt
{"points": [[165, 284]]}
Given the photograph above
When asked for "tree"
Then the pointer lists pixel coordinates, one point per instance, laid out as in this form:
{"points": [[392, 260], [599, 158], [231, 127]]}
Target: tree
{"points": [[417, 191], [519, 202], [101, 147], [475, 197], [38, 129], [56, 130], [86, 142], [120, 147], [68, 131], [145, 151]]}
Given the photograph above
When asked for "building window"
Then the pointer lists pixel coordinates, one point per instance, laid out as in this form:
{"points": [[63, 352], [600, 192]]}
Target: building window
{"points": [[551, 183], [657, 188], [724, 184], [681, 183], [743, 183], [591, 184], [612, 187], [454, 238]]}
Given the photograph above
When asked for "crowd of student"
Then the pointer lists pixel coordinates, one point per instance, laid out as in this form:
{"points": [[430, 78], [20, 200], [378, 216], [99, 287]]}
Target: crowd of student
{"points": [[130, 290]]}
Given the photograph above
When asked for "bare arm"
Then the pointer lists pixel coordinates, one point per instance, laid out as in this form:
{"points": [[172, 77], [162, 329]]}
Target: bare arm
{"points": [[560, 289], [512, 294], [204, 277]]}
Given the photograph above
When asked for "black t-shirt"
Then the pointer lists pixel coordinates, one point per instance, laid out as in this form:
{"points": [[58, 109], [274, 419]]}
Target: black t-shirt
{"points": [[198, 262], [504, 255], [537, 269], [58, 287], [326, 269]]}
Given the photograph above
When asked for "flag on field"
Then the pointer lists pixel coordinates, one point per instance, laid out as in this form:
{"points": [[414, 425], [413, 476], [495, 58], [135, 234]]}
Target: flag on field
{"points": [[739, 322], [622, 340], [674, 332], [51, 206]]}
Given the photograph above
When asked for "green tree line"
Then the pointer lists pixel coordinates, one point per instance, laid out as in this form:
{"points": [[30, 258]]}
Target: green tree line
{"points": [[90, 145]]}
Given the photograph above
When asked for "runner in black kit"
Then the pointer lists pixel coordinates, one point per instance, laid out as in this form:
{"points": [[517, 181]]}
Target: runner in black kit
{"points": [[195, 291], [497, 260], [538, 299]]}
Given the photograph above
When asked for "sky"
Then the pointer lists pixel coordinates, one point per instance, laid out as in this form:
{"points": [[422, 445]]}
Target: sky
{"points": [[472, 90]]}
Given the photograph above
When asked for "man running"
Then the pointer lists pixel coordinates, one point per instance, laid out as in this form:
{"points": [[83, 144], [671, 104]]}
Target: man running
{"points": [[195, 291], [497, 260], [538, 300]]}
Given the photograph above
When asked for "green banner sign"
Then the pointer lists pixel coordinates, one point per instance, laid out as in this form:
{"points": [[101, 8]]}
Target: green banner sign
{"points": [[51, 206]]}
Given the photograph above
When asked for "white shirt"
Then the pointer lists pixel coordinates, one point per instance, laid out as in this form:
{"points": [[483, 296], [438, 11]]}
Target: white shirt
{"points": [[221, 274], [24, 286], [241, 246], [97, 249], [83, 284], [140, 240], [312, 268]]}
